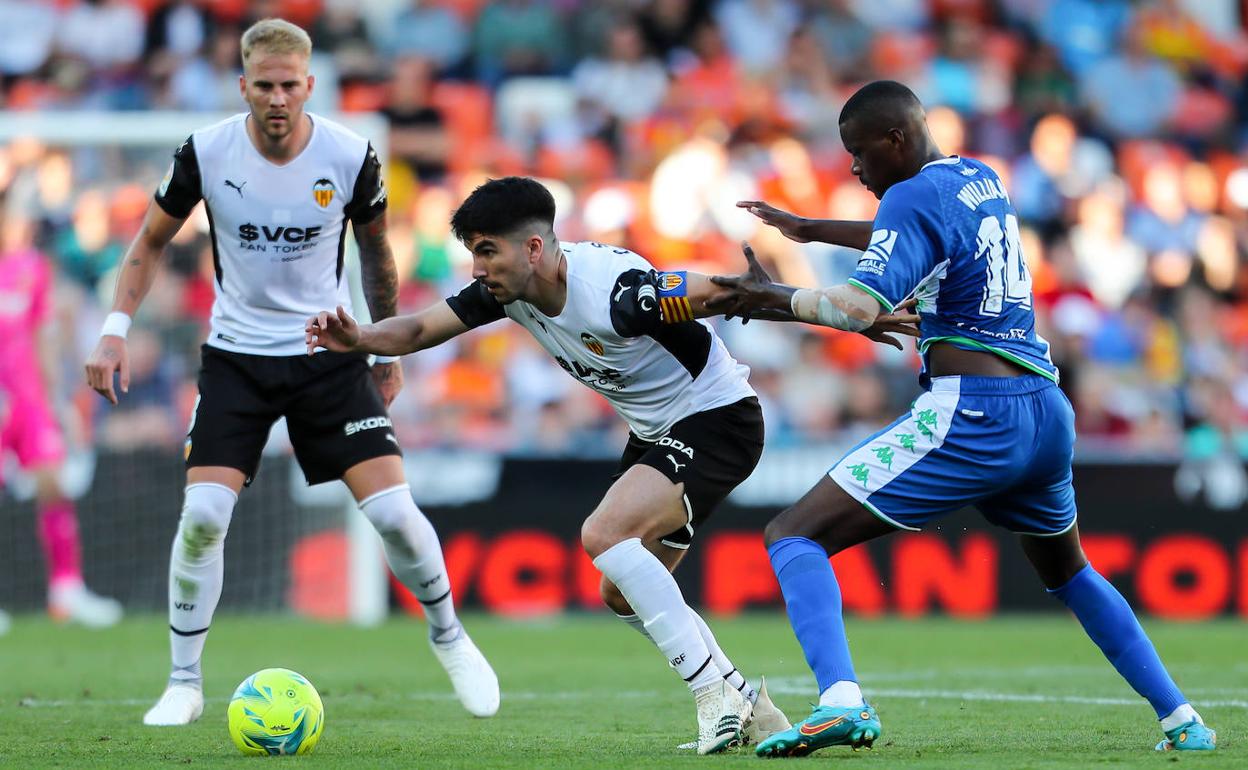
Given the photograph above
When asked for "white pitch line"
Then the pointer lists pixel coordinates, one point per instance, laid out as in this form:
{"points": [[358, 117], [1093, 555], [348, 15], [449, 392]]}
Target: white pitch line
{"points": [[780, 686], [795, 686]]}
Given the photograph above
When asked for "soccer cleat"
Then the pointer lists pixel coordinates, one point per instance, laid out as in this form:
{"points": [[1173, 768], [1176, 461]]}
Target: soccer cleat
{"points": [[765, 719], [74, 603], [5, 622], [858, 727], [181, 704], [722, 713], [1192, 736], [474, 681]]}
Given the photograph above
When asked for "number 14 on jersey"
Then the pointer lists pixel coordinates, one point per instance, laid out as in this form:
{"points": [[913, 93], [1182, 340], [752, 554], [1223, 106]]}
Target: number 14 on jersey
{"points": [[1008, 279]]}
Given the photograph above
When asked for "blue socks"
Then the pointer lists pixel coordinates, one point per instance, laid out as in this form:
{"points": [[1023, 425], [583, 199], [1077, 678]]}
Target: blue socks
{"points": [[813, 601], [1109, 621]]}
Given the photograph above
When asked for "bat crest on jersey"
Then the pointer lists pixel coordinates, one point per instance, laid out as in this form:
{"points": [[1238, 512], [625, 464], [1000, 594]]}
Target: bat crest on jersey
{"points": [[670, 281], [591, 342], [323, 192]]}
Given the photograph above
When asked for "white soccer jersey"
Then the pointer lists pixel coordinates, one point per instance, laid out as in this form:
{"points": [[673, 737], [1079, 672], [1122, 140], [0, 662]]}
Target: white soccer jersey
{"points": [[277, 231], [613, 337]]}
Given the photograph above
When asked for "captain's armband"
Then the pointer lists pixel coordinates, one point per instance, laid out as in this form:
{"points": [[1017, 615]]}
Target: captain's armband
{"points": [[673, 289]]}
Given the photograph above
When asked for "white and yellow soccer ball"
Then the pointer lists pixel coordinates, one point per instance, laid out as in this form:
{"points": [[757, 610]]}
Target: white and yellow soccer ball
{"points": [[276, 711]]}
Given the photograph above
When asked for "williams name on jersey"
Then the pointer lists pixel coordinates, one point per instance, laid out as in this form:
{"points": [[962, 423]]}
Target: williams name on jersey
{"points": [[624, 334], [277, 232]]}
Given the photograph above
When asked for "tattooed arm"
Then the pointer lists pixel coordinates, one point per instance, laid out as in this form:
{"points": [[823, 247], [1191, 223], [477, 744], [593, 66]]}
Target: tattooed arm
{"points": [[380, 280], [134, 280]]}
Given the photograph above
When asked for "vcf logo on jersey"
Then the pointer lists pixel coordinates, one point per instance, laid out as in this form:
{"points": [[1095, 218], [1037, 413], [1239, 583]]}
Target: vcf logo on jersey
{"points": [[323, 192], [591, 342]]}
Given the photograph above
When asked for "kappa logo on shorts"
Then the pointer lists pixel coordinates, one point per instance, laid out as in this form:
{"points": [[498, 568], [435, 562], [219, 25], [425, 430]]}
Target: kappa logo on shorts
{"points": [[368, 423]]}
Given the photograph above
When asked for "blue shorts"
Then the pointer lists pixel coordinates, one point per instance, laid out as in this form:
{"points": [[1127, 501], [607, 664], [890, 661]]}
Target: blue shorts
{"points": [[1001, 444]]}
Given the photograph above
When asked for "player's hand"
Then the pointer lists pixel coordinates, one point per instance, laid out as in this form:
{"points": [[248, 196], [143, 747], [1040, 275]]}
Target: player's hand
{"points": [[389, 380], [903, 320], [789, 225], [747, 292], [336, 331], [108, 358]]}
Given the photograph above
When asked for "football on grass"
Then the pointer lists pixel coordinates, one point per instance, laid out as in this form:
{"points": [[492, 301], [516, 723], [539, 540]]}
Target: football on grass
{"points": [[276, 711]]}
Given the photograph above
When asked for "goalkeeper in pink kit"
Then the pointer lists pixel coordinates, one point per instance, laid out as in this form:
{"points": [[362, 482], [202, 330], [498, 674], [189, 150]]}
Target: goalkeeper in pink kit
{"points": [[29, 428]]}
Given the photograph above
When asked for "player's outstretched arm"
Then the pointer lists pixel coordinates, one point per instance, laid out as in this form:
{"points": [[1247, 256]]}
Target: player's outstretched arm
{"points": [[336, 330], [844, 307], [839, 232], [134, 280]]}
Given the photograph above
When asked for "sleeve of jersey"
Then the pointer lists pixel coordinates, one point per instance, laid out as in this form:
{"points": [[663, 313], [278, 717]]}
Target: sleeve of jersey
{"points": [[181, 189], [368, 199], [475, 306], [905, 244], [643, 301]]}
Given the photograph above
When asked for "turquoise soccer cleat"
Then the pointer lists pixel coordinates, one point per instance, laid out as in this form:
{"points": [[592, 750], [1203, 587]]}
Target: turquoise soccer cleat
{"points": [[1192, 736], [826, 726]]}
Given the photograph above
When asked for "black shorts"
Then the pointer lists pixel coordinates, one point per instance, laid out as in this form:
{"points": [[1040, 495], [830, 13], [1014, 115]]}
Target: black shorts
{"points": [[710, 452], [334, 413]]}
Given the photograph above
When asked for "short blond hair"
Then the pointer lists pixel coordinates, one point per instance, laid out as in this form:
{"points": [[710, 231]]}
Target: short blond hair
{"points": [[276, 36]]}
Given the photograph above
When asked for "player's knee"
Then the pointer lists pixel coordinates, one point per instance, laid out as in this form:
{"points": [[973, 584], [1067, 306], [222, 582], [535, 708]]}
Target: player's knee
{"points": [[206, 514], [598, 534], [779, 528], [390, 510], [612, 597], [593, 540]]}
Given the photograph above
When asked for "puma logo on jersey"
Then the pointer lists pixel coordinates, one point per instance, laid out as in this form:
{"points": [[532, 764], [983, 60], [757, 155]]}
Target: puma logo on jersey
{"points": [[678, 465], [368, 423], [619, 292], [237, 187]]}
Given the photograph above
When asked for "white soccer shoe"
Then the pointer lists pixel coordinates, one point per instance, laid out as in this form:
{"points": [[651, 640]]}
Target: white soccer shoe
{"points": [[474, 681], [722, 712], [74, 603], [765, 718], [5, 622], [181, 704]]}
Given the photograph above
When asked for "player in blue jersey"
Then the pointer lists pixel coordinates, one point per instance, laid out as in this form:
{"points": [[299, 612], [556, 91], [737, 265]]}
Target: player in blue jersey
{"points": [[992, 430]]}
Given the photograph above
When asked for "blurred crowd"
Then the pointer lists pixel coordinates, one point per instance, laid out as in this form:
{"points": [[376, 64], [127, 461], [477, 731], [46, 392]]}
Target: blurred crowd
{"points": [[1120, 128]]}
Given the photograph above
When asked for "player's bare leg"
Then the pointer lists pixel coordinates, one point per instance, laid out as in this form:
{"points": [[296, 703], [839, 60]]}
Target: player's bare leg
{"points": [[765, 718], [642, 506], [196, 574], [799, 541], [1110, 623], [415, 557]]}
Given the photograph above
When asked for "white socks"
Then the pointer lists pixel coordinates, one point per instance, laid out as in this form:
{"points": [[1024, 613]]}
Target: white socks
{"points": [[653, 594], [1180, 716], [415, 556], [728, 671], [196, 572], [842, 694]]}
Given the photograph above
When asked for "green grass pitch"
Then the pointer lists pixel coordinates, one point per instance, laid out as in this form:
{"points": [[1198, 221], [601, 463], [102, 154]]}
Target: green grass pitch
{"points": [[586, 691]]}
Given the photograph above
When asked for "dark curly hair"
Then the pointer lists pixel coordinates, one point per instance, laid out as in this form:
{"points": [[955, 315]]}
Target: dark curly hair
{"points": [[502, 206]]}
